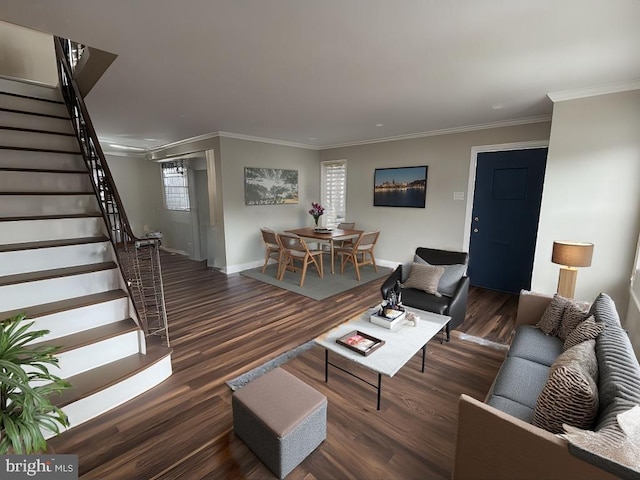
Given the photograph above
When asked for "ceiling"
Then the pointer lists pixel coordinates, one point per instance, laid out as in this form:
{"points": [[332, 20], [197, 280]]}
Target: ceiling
{"points": [[333, 72]]}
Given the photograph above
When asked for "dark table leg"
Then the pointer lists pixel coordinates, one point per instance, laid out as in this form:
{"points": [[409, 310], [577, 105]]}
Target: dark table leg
{"points": [[326, 365], [424, 353], [379, 389]]}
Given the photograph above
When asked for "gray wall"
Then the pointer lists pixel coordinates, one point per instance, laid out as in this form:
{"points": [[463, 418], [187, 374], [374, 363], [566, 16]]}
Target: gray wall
{"points": [[27, 54], [243, 242], [592, 193], [140, 187], [439, 225]]}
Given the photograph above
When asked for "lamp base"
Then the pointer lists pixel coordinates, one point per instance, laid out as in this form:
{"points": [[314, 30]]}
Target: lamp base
{"points": [[567, 282]]}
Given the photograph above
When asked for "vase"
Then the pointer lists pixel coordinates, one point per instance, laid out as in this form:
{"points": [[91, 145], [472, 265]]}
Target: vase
{"points": [[316, 220]]}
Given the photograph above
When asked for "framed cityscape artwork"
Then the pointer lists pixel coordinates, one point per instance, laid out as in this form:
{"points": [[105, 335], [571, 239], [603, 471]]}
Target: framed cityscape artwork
{"points": [[400, 187]]}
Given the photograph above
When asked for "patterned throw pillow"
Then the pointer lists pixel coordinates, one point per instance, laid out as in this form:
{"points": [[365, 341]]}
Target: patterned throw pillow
{"points": [[424, 277], [570, 395], [587, 330], [550, 321], [573, 315]]}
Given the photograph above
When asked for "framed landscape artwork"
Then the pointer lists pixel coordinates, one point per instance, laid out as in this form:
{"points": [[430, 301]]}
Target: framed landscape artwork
{"points": [[270, 186], [400, 187]]}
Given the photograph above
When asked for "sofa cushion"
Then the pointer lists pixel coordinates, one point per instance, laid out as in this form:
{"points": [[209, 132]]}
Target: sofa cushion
{"points": [[515, 409], [530, 343], [424, 301], [604, 310], [570, 395], [424, 277], [619, 383], [450, 278], [587, 330], [572, 316], [520, 380]]}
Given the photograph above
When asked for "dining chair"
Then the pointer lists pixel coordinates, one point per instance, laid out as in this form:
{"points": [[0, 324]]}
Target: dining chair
{"points": [[295, 249], [358, 252], [272, 248], [346, 226]]}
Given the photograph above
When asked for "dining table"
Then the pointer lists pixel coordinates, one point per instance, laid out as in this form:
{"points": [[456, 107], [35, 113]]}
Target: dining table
{"points": [[326, 235]]}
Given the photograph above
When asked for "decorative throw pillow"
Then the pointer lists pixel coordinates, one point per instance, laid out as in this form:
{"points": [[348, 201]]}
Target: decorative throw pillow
{"points": [[550, 321], [450, 278], [587, 330], [424, 277], [570, 395], [582, 353], [573, 315]]}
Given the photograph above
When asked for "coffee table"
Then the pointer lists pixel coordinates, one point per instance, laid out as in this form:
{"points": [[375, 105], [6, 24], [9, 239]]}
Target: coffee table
{"points": [[400, 345]]}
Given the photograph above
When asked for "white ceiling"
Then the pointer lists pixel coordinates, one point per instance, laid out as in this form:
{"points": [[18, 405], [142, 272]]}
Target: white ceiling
{"points": [[327, 72]]}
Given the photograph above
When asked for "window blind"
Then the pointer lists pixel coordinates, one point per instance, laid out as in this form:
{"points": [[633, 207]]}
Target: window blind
{"points": [[176, 185], [334, 192]]}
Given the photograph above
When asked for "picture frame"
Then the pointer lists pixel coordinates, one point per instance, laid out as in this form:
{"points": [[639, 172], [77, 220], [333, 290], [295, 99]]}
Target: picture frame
{"points": [[270, 186], [360, 342], [400, 187]]}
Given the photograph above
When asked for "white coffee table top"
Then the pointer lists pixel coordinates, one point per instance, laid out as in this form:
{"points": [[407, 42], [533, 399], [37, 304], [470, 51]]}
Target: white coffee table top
{"points": [[400, 345]]}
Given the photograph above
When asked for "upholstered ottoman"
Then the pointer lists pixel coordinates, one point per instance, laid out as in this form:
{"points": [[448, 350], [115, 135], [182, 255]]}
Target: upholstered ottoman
{"points": [[280, 418]]}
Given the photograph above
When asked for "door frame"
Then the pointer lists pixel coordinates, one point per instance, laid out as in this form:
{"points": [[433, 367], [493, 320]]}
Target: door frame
{"points": [[473, 163]]}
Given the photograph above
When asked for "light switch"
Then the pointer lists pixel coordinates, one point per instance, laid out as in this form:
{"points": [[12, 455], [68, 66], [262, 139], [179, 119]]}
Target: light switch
{"points": [[458, 195]]}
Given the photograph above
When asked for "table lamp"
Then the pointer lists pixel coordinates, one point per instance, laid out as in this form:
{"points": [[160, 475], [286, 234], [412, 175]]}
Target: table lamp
{"points": [[570, 255]]}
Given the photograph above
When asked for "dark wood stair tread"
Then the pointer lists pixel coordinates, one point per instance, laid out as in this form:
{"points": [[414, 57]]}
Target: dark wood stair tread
{"points": [[37, 130], [100, 378], [16, 247], [37, 114], [48, 150], [31, 97], [45, 309], [55, 273], [43, 170], [42, 194], [92, 335], [51, 217]]}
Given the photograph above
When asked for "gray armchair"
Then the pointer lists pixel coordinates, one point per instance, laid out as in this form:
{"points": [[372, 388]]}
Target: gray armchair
{"points": [[454, 305]]}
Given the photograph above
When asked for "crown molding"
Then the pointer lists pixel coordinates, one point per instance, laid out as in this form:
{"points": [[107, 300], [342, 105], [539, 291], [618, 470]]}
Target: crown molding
{"points": [[447, 131], [594, 91], [251, 138]]}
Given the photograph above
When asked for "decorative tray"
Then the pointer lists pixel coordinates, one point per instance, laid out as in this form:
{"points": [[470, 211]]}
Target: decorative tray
{"points": [[360, 342], [322, 230]]}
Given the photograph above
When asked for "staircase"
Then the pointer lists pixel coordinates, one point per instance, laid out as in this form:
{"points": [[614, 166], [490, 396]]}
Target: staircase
{"points": [[57, 262]]}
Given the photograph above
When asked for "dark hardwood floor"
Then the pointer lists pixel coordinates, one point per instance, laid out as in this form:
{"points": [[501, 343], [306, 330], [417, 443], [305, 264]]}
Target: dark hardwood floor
{"points": [[222, 326]]}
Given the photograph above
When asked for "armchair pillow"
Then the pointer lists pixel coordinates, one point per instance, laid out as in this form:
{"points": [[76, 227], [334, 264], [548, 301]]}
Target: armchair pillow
{"points": [[450, 278], [425, 278]]}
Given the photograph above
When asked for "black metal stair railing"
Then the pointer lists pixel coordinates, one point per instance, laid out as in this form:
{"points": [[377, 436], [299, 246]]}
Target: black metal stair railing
{"points": [[139, 258]]}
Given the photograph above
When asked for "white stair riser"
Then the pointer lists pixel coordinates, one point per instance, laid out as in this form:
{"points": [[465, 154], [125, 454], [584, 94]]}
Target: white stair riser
{"points": [[44, 182], [36, 122], [29, 205], [81, 319], [23, 88], [30, 105], [55, 161], [24, 261], [13, 138], [23, 295], [83, 359], [22, 231], [109, 398]]}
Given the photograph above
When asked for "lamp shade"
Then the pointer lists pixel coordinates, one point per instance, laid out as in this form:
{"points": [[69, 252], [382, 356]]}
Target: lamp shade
{"points": [[572, 254]]}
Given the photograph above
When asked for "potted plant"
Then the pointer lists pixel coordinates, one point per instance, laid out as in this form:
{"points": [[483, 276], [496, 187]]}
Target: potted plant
{"points": [[25, 387]]}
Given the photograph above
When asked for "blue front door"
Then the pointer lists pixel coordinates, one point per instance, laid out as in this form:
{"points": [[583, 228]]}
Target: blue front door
{"points": [[504, 225]]}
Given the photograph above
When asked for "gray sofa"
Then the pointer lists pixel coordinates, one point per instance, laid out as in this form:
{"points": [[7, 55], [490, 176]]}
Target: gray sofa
{"points": [[497, 439]]}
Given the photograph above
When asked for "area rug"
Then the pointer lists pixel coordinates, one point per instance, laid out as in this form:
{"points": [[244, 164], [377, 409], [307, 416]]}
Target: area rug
{"points": [[316, 287], [245, 378]]}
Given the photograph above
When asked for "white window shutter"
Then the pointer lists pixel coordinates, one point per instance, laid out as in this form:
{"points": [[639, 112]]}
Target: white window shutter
{"points": [[334, 192]]}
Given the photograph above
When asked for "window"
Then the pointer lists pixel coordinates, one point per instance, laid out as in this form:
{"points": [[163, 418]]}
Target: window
{"points": [[334, 191], [176, 185]]}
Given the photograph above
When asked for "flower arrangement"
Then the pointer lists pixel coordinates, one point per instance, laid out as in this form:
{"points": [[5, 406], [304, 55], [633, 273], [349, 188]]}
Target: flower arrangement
{"points": [[316, 211]]}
